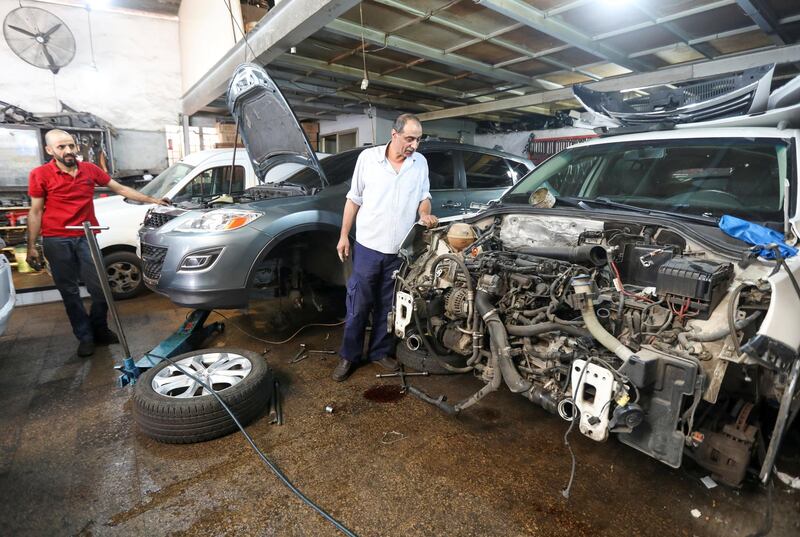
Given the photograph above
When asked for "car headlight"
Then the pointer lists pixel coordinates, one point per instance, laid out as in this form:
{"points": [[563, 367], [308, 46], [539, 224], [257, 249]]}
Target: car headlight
{"points": [[219, 220]]}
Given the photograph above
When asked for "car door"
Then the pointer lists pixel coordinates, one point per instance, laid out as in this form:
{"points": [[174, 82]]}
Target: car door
{"points": [[446, 198], [487, 177]]}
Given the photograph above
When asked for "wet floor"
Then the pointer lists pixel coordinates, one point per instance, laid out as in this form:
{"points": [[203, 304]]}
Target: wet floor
{"points": [[383, 463]]}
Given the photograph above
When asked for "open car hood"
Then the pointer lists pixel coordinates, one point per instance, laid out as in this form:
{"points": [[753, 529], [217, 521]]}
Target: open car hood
{"points": [[267, 124]]}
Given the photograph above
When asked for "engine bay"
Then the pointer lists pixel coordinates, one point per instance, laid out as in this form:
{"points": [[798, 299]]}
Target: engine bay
{"points": [[626, 328]]}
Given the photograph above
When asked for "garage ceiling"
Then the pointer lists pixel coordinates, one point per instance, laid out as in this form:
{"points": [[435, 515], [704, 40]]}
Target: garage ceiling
{"points": [[429, 56]]}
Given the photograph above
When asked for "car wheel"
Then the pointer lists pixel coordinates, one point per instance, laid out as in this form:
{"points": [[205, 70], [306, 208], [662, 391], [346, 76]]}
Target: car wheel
{"points": [[170, 407], [422, 361], [124, 270]]}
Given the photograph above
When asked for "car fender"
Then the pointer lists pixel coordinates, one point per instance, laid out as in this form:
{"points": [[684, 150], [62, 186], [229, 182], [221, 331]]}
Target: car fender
{"points": [[291, 225]]}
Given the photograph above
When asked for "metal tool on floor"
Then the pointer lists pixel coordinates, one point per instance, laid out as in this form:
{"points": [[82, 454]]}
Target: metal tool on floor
{"points": [[304, 352], [401, 374], [188, 337]]}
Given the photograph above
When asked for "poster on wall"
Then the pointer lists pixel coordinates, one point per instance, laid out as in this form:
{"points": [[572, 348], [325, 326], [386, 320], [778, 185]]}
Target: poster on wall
{"points": [[20, 152]]}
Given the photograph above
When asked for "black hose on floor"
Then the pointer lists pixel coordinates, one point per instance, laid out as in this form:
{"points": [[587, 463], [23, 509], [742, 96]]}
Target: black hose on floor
{"points": [[266, 460]]}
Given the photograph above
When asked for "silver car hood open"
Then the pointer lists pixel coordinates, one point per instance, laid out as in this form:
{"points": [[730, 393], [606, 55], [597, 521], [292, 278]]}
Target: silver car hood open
{"points": [[267, 124]]}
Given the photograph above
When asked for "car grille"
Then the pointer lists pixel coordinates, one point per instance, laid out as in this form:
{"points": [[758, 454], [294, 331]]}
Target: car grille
{"points": [[155, 220], [152, 261]]}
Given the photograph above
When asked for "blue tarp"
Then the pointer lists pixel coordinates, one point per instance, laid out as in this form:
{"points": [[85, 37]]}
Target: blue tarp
{"points": [[755, 235]]}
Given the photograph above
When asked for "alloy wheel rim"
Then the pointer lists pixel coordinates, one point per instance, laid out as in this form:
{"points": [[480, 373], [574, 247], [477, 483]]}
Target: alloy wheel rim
{"points": [[220, 370], [123, 277]]}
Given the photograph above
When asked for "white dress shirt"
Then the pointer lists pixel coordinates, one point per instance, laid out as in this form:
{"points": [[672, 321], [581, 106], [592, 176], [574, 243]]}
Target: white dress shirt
{"points": [[388, 199]]}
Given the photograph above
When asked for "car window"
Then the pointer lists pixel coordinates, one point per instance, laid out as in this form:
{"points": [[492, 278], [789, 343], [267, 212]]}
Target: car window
{"points": [[486, 171], [213, 182], [440, 169], [716, 176], [518, 170], [164, 181]]}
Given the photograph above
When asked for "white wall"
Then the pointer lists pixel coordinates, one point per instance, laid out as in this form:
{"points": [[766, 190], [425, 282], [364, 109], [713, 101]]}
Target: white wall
{"points": [[134, 83], [206, 34], [381, 126], [363, 123]]}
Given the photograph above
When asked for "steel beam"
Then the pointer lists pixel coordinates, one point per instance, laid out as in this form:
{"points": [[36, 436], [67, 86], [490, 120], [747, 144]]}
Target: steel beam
{"points": [[765, 18], [703, 48], [490, 38], [538, 20], [407, 46], [354, 73], [285, 26], [733, 63]]}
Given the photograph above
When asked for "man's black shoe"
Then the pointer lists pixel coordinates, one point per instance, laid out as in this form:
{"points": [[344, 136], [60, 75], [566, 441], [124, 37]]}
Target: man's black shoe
{"points": [[105, 337], [85, 348], [389, 364], [342, 370]]}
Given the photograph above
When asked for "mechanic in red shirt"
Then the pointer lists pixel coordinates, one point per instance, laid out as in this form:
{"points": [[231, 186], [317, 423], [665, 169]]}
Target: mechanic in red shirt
{"points": [[62, 194]]}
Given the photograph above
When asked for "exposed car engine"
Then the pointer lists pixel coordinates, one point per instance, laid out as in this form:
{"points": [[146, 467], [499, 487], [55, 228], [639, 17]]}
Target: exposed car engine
{"points": [[623, 327]]}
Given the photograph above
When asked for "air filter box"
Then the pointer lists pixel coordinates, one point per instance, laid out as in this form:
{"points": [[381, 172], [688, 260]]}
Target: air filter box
{"points": [[703, 282]]}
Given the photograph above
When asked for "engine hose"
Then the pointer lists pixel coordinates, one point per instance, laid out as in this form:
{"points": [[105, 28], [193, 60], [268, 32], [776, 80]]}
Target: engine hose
{"points": [[541, 328], [490, 387], [586, 253], [714, 335], [432, 352], [732, 305], [602, 335], [543, 398], [499, 338]]}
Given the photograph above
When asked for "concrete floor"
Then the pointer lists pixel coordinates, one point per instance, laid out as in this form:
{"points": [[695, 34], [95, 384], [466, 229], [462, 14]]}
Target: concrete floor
{"points": [[73, 463]]}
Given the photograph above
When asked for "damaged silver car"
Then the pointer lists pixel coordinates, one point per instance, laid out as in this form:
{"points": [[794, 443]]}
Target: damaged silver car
{"points": [[603, 289]]}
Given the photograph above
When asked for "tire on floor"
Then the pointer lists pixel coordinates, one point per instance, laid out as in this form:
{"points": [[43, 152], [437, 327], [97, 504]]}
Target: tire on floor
{"points": [[165, 412], [422, 361]]}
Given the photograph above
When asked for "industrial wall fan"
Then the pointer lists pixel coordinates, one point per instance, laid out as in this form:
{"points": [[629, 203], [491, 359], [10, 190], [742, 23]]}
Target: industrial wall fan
{"points": [[39, 38]]}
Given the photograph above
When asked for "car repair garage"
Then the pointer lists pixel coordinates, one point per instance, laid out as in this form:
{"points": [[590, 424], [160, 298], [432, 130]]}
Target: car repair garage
{"points": [[383, 267]]}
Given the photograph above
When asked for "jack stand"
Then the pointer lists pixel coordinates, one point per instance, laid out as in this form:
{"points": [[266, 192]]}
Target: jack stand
{"points": [[129, 372], [189, 336]]}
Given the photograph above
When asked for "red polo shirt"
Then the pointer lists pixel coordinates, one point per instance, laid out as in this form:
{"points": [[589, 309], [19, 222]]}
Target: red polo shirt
{"points": [[68, 201]]}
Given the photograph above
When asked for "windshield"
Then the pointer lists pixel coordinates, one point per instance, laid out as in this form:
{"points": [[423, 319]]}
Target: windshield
{"points": [[164, 181], [710, 177]]}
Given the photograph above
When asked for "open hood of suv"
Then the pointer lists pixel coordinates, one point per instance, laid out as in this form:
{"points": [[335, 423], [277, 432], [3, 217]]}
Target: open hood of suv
{"points": [[267, 124]]}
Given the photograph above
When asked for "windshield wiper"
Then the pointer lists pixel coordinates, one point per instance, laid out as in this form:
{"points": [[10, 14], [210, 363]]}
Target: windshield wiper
{"points": [[605, 202]]}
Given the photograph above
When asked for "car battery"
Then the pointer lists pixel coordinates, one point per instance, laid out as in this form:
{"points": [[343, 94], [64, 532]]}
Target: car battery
{"points": [[702, 282]]}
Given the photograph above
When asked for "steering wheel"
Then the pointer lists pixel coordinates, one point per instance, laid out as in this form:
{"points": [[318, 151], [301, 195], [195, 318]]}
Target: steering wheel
{"points": [[703, 195]]}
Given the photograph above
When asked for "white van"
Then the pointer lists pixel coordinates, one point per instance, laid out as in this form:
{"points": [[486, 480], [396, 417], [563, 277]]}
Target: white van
{"points": [[202, 173]]}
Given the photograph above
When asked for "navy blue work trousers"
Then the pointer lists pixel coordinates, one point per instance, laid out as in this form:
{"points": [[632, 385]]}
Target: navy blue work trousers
{"points": [[71, 261], [369, 290]]}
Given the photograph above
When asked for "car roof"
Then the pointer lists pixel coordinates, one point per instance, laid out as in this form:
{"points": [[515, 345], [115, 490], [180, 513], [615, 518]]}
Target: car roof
{"points": [[710, 132], [199, 157]]}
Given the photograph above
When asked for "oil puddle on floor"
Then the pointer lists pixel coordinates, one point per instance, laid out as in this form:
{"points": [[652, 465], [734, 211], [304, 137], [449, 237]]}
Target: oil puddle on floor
{"points": [[384, 393]]}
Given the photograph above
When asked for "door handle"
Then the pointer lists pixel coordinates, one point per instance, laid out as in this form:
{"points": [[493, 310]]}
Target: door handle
{"points": [[449, 204]]}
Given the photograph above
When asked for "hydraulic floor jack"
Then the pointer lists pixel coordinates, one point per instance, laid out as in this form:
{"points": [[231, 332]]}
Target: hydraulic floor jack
{"points": [[191, 334]]}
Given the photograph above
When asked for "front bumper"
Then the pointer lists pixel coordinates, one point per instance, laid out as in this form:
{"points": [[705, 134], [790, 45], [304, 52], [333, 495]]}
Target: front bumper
{"points": [[222, 285]]}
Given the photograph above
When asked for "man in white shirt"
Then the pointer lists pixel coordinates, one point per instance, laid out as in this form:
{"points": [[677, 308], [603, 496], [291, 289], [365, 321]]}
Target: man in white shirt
{"points": [[390, 188]]}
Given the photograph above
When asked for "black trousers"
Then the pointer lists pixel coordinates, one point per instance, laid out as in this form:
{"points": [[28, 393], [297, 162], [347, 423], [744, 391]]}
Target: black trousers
{"points": [[70, 261]]}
